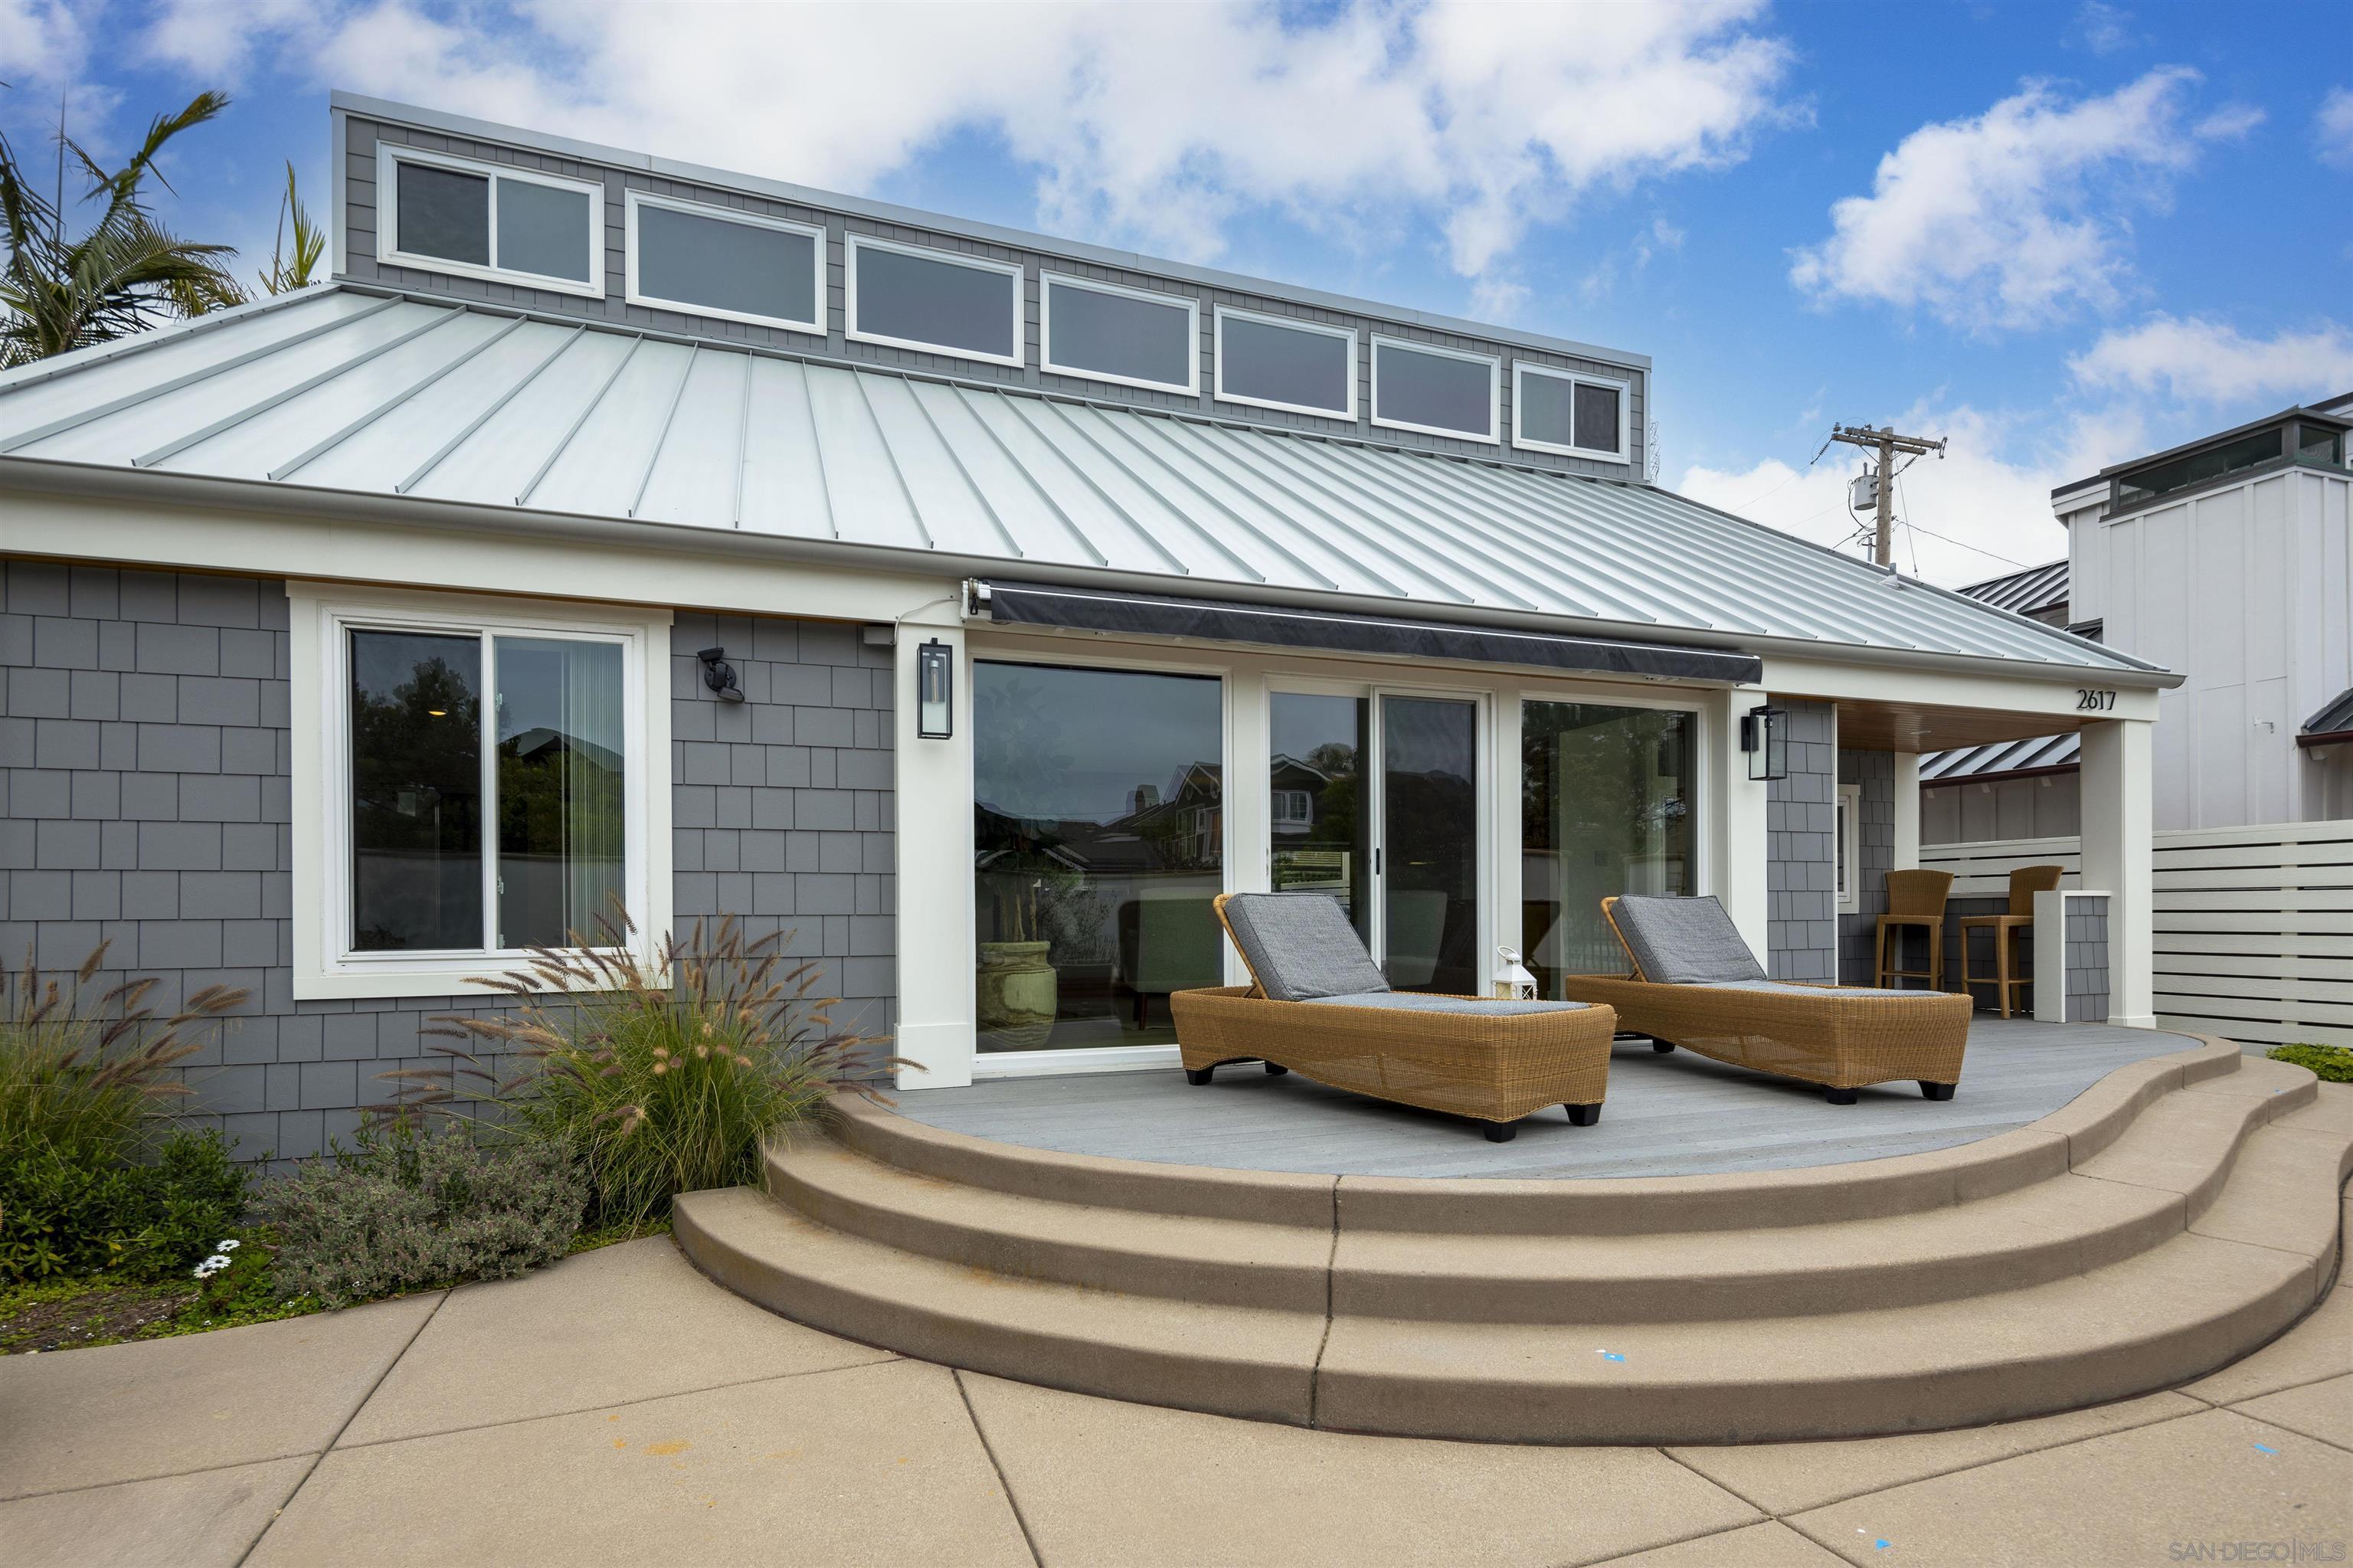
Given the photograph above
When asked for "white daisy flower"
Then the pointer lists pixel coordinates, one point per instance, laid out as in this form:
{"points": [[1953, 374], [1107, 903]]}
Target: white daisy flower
{"points": [[229, 1246]]}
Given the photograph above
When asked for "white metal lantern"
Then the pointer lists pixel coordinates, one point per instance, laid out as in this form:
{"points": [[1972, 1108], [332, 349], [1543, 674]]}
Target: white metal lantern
{"points": [[1512, 981]]}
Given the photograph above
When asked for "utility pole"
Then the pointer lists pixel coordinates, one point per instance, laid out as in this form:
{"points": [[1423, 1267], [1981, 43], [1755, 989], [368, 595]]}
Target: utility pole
{"points": [[1886, 443]]}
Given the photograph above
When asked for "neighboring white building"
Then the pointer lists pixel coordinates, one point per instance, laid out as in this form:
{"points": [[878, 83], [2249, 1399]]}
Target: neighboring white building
{"points": [[2229, 559]]}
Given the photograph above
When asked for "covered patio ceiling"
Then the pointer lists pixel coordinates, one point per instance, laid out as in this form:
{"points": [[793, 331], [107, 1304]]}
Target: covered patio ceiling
{"points": [[1926, 727]]}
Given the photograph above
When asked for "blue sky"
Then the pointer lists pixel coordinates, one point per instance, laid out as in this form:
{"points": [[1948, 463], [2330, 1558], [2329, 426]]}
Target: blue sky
{"points": [[2060, 234]]}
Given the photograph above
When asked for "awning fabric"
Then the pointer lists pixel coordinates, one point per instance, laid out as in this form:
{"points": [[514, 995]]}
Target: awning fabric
{"points": [[1281, 626]]}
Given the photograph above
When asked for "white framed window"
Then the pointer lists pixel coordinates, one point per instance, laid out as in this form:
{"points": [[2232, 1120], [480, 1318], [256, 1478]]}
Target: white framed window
{"points": [[1291, 807], [1278, 362], [475, 220], [1850, 848], [471, 776], [1437, 391], [1108, 332], [1569, 412], [732, 266], [908, 296]]}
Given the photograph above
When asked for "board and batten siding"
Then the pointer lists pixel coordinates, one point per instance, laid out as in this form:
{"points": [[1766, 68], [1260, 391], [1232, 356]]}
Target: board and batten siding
{"points": [[361, 136], [146, 761], [2253, 926], [2248, 590]]}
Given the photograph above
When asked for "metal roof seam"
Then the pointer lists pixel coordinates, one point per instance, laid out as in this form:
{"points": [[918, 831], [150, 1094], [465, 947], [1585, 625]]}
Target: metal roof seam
{"points": [[1184, 518], [524, 497], [898, 470], [59, 426], [1230, 446], [963, 472], [1016, 410], [417, 475], [1194, 451], [743, 443], [1570, 591], [312, 383], [1037, 487], [1189, 482], [1538, 529], [330, 443], [661, 436], [74, 361], [817, 447]]}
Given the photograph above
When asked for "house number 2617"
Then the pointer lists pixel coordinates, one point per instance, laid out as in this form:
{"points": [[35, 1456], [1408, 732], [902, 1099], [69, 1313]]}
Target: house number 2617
{"points": [[2094, 702]]}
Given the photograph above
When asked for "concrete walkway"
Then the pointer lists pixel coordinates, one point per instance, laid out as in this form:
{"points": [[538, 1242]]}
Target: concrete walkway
{"points": [[621, 1408]]}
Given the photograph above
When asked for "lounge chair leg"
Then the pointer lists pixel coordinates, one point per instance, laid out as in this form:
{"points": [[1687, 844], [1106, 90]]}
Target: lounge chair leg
{"points": [[1584, 1116], [1937, 1091], [1199, 1075], [1840, 1097], [1662, 1047], [1275, 1069], [1499, 1131]]}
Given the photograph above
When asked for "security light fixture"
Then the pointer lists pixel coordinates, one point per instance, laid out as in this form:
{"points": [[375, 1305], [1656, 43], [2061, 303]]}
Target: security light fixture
{"points": [[935, 691], [1764, 736], [719, 675]]}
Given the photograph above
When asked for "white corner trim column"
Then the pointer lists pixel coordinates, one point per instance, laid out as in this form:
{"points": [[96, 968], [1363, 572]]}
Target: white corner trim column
{"points": [[1907, 811], [2118, 819], [932, 854], [1249, 851], [1735, 839]]}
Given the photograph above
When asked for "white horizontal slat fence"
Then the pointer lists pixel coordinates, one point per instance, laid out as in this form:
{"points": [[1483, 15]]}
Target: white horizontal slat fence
{"points": [[2253, 927]]}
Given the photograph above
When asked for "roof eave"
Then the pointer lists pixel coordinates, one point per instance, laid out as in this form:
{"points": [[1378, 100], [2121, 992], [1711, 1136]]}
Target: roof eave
{"points": [[41, 475]]}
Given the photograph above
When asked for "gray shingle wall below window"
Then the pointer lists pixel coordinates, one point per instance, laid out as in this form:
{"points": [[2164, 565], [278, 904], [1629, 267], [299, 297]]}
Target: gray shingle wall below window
{"points": [[2087, 960], [146, 802], [1800, 835]]}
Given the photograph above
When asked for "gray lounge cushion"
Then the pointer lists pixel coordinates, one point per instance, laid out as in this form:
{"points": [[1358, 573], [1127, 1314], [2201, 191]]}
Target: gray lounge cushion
{"points": [[1786, 988], [1683, 941], [1415, 1002], [1301, 945]]}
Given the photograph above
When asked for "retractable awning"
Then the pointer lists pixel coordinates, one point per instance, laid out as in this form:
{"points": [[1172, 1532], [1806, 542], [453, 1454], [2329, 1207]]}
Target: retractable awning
{"points": [[1281, 626]]}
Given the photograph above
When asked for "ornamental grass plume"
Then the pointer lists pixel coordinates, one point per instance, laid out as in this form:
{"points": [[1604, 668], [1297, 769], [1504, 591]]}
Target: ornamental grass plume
{"points": [[660, 1077]]}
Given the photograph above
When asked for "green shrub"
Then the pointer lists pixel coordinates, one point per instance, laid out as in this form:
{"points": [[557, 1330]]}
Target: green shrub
{"points": [[93, 1175], [406, 1209], [656, 1088], [2331, 1064]]}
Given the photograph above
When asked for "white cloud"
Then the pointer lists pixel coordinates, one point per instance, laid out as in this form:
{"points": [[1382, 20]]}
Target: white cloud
{"points": [[2195, 360], [2332, 128], [2104, 29], [45, 51], [2014, 218], [1983, 506], [1154, 125]]}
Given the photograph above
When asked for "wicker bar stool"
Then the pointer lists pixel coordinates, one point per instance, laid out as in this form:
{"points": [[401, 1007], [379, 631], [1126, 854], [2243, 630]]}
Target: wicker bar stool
{"points": [[2025, 882], [1914, 899]]}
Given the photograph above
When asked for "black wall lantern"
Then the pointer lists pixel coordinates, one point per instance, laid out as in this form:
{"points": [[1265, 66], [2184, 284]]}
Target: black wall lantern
{"points": [[719, 675], [1764, 736], [935, 691]]}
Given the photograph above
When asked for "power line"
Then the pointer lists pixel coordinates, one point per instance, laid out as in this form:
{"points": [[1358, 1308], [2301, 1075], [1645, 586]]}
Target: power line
{"points": [[1886, 443]]}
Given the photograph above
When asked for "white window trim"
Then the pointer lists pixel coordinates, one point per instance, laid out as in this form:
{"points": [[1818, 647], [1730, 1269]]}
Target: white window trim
{"points": [[1849, 850], [1295, 324], [321, 764], [1625, 389], [1048, 282], [813, 324], [387, 221], [857, 242], [1494, 364]]}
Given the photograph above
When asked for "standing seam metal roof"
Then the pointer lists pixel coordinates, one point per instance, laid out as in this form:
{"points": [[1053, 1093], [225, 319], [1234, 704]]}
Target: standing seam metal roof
{"points": [[351, 389], [2024, 593]]}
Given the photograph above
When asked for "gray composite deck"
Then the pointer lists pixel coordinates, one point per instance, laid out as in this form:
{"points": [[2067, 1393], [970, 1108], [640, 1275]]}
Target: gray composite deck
{"points": [[1666, 1115]]}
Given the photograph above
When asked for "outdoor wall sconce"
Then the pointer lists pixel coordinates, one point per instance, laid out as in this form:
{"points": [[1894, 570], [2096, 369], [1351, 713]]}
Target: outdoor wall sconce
{"points": [[719, 675], [935, 691], [1764, 736]]}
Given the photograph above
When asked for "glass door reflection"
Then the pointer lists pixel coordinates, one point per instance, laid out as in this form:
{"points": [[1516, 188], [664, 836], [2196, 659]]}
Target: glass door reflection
{"points": [[1428, 860], [1318, 830]]}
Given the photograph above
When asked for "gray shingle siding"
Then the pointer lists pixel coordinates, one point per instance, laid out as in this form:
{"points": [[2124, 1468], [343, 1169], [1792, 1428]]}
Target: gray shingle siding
{"points": [[362, 137], [1876, 846], [145, 801], [1801, 837]]}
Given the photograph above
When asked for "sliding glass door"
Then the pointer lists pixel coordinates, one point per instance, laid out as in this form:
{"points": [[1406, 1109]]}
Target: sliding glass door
{"points": [[1606, 809], [1373, 799], [1099, 841]]}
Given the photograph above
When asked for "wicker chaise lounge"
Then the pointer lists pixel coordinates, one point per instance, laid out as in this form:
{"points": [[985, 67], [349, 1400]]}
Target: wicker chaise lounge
{"points": [[1320, 1006], [1696, 984]]}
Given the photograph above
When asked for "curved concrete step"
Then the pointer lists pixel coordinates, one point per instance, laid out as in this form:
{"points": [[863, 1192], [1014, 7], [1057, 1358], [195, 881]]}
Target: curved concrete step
{"points": [[2173, 1218]]}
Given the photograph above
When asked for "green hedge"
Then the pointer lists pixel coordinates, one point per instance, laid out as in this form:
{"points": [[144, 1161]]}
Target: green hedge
{"points": [[2330, 1063]]}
